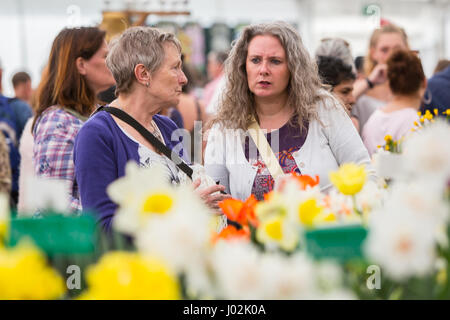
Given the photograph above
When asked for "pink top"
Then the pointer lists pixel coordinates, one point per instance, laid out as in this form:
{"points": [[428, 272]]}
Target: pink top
{"points": [[396, 124], [209, 90]]}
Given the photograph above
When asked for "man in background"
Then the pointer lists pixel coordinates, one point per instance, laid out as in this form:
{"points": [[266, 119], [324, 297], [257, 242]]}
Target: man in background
{"points": [[437, 95], [21, 82], [14, 114]]}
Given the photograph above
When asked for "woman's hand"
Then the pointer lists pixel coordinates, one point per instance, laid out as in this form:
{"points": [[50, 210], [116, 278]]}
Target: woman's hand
{"points": [[208, 196], [378, 74]]}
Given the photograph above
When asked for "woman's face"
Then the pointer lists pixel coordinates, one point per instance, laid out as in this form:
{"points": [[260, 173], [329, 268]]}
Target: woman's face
{"points": [[267, 68], [167, 82], [344, 92], [387, 42], [97, 74]]}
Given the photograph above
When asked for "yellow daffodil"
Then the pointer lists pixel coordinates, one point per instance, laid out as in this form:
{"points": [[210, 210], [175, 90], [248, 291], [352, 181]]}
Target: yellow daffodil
{"points": [[428, 115], [312, 213], [436, 112], [308, 211], [274, 205], [24, 274], [349, 179], [278, 231], [388, 138], [4, 217], [129, 275]]}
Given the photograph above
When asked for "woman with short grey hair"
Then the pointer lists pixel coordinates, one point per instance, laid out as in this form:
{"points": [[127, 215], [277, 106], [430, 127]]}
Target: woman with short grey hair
{"points": [[146, 64], [273, 87]]}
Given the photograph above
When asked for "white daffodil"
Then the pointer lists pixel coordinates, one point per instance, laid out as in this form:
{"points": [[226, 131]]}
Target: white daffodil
{"points": [[370, 198], [288, 278], [278, 232], [137, 180], [180, 237], [304, 206], [243, 272], [423, 199], [402, 243], [142, 194], [45, 194], [342, 206], [426, 155], [236, 269]]}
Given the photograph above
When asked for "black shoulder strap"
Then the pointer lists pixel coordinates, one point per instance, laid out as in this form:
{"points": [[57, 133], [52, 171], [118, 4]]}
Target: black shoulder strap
{"points": [[122, 115]]}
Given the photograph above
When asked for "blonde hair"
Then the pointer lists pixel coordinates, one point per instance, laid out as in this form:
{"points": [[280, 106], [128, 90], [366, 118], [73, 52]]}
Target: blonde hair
{"points": [[369, 63], [237, 105]]}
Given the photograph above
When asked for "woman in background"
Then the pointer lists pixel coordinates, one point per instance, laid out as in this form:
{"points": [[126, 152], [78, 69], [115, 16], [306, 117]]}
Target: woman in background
{"points": [[192, 110], [339, 75], [76, 72], [407, 83], [377, 92]]}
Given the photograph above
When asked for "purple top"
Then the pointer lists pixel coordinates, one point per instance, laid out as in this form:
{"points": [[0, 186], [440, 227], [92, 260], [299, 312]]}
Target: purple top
{"points": [[291, 139], [100, 154]]}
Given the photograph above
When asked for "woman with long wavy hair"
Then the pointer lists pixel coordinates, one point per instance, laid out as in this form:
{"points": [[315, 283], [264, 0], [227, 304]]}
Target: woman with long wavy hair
{"points": [[273, 84], [76, 72]]}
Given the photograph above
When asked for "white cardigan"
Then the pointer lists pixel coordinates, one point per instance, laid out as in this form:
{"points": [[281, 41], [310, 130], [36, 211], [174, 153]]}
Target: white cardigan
{"points": [[329, 143]]}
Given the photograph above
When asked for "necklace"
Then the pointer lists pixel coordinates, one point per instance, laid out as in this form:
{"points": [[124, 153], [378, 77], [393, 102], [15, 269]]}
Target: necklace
{"points": [[156, 131]]}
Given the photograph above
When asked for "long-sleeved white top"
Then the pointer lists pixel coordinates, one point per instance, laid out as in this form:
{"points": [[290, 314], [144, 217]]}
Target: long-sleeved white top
{"points": [[332, 140]]}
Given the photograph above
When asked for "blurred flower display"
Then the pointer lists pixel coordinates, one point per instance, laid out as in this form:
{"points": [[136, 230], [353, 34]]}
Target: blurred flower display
{"points": [[299, 242]]}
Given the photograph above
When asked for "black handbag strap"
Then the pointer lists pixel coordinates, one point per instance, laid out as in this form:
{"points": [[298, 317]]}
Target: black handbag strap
{"points": [[155, 142]]}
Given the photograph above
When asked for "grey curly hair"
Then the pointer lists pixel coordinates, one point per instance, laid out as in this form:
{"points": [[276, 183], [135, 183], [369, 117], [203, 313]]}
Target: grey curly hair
{"points": [[237, 104]]}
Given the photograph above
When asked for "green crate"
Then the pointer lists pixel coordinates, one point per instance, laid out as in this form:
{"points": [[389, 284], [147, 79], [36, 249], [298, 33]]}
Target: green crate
{"points": [[341, 243], [56, 234]]}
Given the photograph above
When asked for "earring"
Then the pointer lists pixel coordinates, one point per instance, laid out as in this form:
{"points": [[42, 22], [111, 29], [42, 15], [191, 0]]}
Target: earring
{"points": [[147, 84]]}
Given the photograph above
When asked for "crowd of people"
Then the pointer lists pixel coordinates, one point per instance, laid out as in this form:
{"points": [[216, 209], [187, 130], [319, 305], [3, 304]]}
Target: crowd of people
{"points": [[315, 111]]}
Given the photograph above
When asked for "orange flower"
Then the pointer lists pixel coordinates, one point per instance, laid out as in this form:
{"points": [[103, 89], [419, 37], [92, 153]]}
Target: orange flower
{"points": [[231, 232], [248, 211], [304, 180], [239, 211]]}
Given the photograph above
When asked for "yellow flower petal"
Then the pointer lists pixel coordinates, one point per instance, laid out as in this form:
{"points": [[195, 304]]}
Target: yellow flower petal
{"points": [[158, 203], [349, 179], [129, 275], [308, 211]]}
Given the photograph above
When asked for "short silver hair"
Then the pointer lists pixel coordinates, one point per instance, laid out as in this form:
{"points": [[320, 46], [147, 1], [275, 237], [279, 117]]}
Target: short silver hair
{"points": [[338, 48], [137, 45]]}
